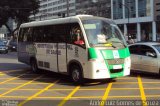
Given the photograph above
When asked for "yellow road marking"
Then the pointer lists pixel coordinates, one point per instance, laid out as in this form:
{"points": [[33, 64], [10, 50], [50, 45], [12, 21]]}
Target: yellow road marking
{"points": [[104, 98], [156, 88], [100, 88], [153, 96], [15, 83], [151, 88], [14, 97], [126, 78], [143, 97], [43, 97], [85, 97], [18, 74], [29, 78], [38, 93], [60, 89], [151, 82], [69, 96], [21, 89], [79, 97], [11, 71], [10, 79], [125, 83], [20, 86], [56, 97], [123, 97], [1, 74], [125, 88], [87, 89]]}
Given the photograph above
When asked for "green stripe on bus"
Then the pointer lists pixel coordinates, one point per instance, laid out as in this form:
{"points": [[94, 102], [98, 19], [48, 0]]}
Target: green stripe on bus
{"points": [[123, 53], [92, 53], [108, 54]]}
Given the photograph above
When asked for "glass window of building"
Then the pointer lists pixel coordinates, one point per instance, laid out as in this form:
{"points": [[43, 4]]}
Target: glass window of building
{"points": [[146, 31], [144, 8], [158, 32], [132, 30], [117, 9], [130, 8]]}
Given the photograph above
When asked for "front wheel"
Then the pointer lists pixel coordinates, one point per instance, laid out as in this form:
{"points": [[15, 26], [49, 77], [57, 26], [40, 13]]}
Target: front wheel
{"points": [[34, 66], [76, 74]]}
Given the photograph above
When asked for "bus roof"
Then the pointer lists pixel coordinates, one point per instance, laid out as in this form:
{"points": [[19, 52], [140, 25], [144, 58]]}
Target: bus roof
{"points": [[61, 20]]}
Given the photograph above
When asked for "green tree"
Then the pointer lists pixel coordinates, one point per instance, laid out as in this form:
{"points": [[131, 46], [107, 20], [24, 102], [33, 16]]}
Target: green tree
{"points": [[19, 10]]}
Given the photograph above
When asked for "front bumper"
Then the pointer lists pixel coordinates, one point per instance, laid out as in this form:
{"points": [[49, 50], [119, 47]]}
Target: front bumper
{"points": [[3, 50]]}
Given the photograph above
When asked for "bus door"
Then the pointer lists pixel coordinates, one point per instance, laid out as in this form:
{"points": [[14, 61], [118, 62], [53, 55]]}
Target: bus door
{"points": [[24, 45], [62, 65], [50, 41], [61, 47]]}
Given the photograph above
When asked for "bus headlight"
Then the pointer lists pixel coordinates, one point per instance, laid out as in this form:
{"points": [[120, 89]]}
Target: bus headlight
{"points": [[127, 66], [127, 62]]}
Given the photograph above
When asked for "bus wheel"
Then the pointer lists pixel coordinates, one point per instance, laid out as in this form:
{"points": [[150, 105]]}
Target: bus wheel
{"points": [[34, 66], [76, 74]]}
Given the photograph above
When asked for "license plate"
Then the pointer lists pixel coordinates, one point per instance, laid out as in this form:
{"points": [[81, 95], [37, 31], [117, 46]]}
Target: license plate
{"points": [[117, 67]]}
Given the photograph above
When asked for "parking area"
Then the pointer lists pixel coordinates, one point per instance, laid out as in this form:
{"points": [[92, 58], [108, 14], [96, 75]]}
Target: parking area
{"points": [[51, 88]]}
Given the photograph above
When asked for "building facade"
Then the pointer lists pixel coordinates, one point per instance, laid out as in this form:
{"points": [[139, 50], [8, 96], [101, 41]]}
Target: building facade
{"points": [[94, 7], [139, 18], [50, 9]]}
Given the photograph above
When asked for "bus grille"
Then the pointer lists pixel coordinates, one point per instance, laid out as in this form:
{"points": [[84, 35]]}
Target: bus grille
{"points": [[116, 70], [115, 61]]}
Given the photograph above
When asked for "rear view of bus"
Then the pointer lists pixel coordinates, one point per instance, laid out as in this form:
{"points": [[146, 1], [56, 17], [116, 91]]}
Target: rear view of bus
{"points": [[108, 54]]}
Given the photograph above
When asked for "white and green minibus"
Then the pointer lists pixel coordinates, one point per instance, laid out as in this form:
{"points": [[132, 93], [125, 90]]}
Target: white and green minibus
{"points": [[81, 46]]}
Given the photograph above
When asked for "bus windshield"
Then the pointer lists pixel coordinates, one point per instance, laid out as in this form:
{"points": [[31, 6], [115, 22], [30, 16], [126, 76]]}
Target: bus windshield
{"points": [[103, 33]]}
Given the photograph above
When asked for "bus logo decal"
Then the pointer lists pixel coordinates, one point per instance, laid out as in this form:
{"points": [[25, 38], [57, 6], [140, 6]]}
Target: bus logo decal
{"points": [[76, 52], [115, 54]]}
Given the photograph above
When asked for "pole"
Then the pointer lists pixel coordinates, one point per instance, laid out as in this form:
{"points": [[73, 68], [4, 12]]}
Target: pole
{"points": [[127, 10], [128, 16], [128, 20]]}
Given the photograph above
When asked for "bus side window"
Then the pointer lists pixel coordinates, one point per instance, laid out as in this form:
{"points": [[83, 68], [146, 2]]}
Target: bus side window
{"points": [[21, 33], [27, 35], [48, 34], [38, 32], [61, 32]]}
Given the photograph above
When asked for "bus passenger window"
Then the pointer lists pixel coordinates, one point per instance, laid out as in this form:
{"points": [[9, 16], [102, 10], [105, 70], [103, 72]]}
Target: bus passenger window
{"points": [[27, 35]]}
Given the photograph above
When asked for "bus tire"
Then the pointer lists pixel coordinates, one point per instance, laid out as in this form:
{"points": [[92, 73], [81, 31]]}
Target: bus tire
{"points": [[34, 66], [76, 74]]}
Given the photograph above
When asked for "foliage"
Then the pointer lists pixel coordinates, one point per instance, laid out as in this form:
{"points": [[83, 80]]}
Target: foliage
{"points": [[20, 10]]}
